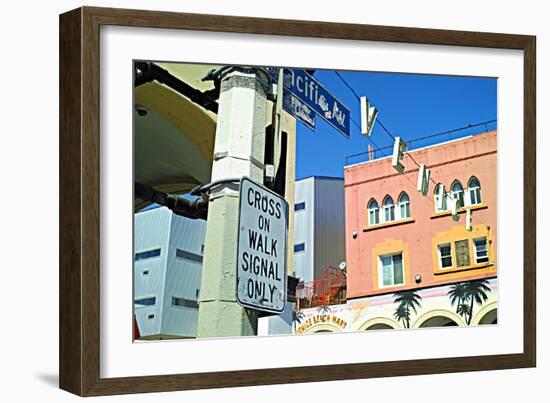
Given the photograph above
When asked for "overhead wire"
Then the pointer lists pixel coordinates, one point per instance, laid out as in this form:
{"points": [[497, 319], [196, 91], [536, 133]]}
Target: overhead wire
{"points": [[377, 120], [376, 147], [392, 137]]}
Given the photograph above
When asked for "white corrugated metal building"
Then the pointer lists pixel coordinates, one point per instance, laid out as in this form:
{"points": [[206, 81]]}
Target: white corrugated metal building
{"points": [[168, 251], [319, 242], [319, 216]]}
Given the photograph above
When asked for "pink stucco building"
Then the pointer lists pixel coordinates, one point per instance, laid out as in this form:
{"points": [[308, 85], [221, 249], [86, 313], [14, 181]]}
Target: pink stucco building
{"points": [[410, 262], [398, 239]]}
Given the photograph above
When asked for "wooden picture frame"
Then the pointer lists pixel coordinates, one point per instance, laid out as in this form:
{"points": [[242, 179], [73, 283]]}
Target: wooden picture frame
{"points": [[79, 346]]}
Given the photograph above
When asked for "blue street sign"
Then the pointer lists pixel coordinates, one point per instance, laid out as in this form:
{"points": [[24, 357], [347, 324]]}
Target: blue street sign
{"points": [[298, 109], [310, 91], [293, 105]]}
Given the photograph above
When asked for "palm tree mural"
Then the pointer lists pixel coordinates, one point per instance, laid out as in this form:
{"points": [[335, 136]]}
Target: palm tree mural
{"points": [[477, 292], [297, 318], [457, 295], [401, 315], [466, 295], [464, 311], [407, 300], [324, 309]]}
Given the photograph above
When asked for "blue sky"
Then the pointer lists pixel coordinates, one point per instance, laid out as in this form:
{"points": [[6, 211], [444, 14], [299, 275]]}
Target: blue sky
{"points": [[409, 105]]}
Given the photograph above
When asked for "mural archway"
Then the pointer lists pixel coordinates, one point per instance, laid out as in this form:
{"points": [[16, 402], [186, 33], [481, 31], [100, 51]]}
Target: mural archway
{"points": [[323, 328], [379, 323], [487, 315], [438, 318]]}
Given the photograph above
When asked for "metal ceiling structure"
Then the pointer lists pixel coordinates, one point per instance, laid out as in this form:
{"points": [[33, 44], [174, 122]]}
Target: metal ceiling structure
{"points": [[173, 135]]}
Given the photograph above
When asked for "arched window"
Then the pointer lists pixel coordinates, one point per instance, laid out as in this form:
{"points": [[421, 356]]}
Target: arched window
{"points": [[457, 192], [404, 206], [389, 209], [474, 191], [374, 213], [440, 198]]}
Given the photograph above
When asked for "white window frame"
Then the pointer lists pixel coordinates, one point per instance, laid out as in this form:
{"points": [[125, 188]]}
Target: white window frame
{"points": [[468, 249], [381, 270], [473, 189], [406, 204], [455, 194], [476, 257], [444, 196], [388, 209], [375, 211], [439, 246]]}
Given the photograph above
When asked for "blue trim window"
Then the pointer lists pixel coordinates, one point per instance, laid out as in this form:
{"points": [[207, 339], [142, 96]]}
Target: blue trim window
{"points": [[149, 301], [299, 247], [147, 254], [300, 206]]}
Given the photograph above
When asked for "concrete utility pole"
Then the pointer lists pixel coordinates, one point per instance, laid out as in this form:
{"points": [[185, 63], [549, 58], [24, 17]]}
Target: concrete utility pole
{"points": [[238, 151]]}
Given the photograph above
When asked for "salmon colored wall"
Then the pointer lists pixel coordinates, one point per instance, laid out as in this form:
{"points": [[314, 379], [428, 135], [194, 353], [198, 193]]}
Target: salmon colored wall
{"points": [[419, 236]]}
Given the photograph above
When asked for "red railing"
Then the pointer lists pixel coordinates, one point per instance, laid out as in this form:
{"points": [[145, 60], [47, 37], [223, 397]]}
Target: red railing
{"points": [[330, 289]]}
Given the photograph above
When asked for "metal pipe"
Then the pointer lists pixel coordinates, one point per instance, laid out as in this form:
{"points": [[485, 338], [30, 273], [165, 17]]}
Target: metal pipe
{"points": [[202, 189], [190, 208], [147, 71]]}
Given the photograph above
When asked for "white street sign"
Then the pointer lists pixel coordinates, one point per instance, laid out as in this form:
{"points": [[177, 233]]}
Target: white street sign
{"points": [[368, 116], [423, 183], [262, 248], [399, 148]]}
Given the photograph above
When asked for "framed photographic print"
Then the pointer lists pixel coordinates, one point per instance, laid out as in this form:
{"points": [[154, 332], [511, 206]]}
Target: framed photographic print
{"points": [[250, 201]]}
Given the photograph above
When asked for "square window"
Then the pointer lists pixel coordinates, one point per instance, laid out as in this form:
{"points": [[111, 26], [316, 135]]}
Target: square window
{"points": [[459, 196], [188, 256], [445, 256], [184, 302], [482, 253], [391, 270], [462, 249], [299, 206], [148, 301], [374, 216], [405, 210], [389, 213], [147, 254], [299, 247], [475, 196]]}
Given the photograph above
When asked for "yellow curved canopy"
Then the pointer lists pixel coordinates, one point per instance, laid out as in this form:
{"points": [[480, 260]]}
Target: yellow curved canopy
{"points": [[174, 138]]}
